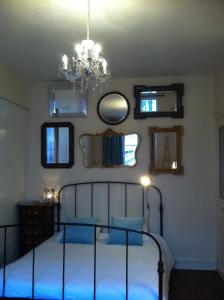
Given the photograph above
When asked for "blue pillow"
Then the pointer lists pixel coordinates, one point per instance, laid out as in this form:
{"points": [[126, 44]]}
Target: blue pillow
{"points": [[118, 237], [80, 234]]}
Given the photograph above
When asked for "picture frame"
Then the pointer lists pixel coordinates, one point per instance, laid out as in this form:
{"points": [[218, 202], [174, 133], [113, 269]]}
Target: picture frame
{"points": [[166, 150]]}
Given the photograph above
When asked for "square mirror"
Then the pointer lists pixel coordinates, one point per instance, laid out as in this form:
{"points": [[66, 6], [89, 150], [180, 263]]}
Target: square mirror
{"points": [[64, 101], [165, 147], [159, 101], [57, 145]]}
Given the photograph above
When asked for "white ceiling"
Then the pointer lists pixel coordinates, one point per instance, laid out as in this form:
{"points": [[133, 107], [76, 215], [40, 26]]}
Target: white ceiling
{"points": [[139, 37]]}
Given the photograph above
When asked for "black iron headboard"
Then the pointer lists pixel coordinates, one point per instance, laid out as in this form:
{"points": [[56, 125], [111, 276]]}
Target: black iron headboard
{"points": [[143, 190]]}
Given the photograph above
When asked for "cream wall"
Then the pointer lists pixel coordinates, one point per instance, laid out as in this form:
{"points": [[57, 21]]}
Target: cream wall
{"points": [[13, 144], [12, 86], [190, 201]]}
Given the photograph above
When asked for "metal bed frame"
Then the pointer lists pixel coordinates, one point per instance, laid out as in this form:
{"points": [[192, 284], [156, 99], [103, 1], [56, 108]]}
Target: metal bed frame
{"points": [[59, 224]]}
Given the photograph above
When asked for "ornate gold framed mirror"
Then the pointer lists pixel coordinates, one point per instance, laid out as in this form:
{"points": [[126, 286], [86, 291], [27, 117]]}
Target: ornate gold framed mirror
{"points": [[109, 149]]}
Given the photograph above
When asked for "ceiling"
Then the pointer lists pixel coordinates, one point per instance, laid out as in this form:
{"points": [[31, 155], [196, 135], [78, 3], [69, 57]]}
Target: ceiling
{"points": [[139, 37]]}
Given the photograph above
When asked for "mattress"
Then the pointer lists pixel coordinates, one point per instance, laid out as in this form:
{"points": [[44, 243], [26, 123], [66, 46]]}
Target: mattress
{"points": [[79, 271]]}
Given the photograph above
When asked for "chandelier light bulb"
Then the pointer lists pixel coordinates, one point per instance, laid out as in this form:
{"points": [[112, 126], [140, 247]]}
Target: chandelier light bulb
{"points": [[65, 62]]}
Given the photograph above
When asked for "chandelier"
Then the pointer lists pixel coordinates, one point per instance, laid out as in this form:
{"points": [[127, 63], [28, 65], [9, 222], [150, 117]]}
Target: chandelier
{"points": [[87, 68]]}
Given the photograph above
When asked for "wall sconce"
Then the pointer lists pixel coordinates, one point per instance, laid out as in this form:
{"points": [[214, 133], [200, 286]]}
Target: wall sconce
{"points": [[49, 195]]}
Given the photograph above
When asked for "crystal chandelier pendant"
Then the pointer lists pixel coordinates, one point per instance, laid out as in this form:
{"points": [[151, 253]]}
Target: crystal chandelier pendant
{"points": [[87, 68]]}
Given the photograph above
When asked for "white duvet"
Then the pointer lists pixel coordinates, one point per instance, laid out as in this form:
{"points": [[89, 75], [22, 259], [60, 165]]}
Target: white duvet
{"points": [[110, 272]]}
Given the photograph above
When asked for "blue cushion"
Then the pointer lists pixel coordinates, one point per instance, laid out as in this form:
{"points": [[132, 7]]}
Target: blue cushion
{"points": [[80, 234], [118, 237]]}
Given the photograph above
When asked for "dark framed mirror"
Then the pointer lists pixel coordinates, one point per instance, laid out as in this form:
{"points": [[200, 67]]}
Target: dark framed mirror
{"points": [[57, 145], [113, 108], [159, 101]]}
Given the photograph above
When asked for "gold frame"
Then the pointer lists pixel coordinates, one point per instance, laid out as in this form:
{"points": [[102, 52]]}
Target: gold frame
{"points": [[109, 133], [179, 133]]}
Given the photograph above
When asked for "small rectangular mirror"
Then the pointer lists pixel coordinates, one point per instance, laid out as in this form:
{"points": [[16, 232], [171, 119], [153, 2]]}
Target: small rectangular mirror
{"points": [[165, 146], [57, 145], [64, 101], [109, 149], [152, 101], [159, 101]]}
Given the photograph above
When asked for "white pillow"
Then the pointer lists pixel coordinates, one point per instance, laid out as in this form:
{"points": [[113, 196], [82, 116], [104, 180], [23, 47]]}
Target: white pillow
{"points": [[104, 236], [145, 228]]}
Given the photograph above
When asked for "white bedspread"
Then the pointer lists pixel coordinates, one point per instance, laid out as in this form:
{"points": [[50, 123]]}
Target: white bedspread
{"points": [[110, 272]]}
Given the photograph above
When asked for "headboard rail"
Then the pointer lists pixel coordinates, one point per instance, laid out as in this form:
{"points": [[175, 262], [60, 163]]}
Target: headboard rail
{"points": [[143, 194]]}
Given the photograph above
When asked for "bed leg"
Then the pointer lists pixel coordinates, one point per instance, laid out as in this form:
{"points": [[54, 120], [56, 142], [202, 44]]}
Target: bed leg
{"points": [[126, 264], [94, 295], [63, 266], [160, 272], [33, 271]]}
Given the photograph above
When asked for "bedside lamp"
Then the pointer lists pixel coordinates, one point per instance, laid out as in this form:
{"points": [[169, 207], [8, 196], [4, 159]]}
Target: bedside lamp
{"points": [[49, 195], [146, 182]]}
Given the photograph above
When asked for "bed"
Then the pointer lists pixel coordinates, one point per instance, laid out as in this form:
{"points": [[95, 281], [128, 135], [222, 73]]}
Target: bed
{"points": [[59, 270]]}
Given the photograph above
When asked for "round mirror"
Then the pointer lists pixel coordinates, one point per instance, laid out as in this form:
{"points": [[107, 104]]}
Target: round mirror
{"points": [[113, 108]]}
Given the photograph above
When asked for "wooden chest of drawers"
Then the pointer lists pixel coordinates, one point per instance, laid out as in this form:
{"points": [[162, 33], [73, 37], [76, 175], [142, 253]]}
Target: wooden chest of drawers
{"points": [[37, 226]]}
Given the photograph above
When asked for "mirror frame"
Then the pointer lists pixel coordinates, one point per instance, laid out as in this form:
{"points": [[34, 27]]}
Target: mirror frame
{"points": [[101, 99], [178, 88], [179, 133], [108, 132], [44, 144]]}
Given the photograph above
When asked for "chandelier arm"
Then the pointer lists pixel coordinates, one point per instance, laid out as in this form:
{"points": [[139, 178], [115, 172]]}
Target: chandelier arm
{"points": [[88, 19]]}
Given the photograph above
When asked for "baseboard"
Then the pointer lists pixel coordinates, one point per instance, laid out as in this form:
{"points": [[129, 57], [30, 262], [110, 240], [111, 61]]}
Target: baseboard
{"points": [[191, 264]]}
